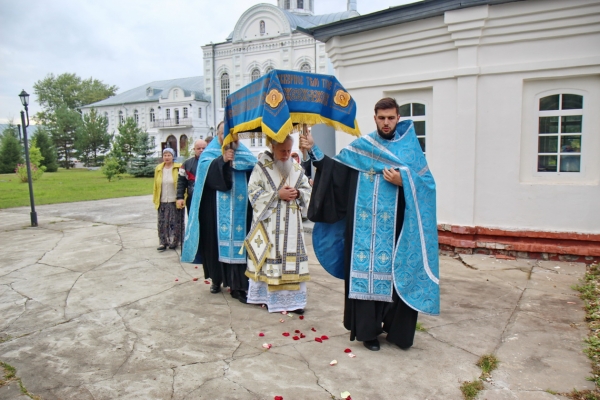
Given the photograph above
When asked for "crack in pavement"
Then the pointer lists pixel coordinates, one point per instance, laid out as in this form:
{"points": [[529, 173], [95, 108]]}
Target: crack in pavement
{"points": [[134, 344], [305, 361]]}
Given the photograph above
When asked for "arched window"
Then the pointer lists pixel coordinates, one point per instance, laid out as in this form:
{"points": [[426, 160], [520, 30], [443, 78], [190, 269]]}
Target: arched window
{"points": [[300, 4], [560, 122], [269, 69], [152, 115], [305, 67], [416, 112], [171, 143], [121, 118], [224, 88], [255, 74], [136, 116], [262, 27], [183, 142]]}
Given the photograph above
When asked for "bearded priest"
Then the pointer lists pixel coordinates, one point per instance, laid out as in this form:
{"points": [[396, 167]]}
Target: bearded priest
{"points": [[278, 191]]}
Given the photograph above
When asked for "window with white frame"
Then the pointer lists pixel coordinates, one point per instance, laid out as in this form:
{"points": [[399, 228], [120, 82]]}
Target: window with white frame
{"points": [[136, 116], [224, 88], [416, 112], [121, 118], [305, 67], [269, 69], [168, 113], [300, 3], [185, 112], [200, 113], [152, 115], [560, 122], [255, 74], [253, 141]]}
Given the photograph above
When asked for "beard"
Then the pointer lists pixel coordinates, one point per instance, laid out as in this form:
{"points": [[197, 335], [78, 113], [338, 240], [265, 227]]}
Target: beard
{"points": [[284, 167], [389, 135]]}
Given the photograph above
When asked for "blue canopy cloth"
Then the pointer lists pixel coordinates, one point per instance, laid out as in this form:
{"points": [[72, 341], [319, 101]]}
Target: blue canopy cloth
{"points": [[275, 102]]}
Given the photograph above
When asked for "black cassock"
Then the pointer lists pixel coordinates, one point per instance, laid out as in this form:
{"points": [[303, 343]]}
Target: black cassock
{"points": [[218, 178], [333, 198]]}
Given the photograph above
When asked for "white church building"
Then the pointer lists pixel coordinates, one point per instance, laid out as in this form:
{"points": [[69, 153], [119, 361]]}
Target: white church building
{"points": [[505, 95], [176, 112]]}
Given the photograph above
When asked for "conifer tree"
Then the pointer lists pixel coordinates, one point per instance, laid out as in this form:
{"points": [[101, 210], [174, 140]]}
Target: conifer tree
{"points": [[47, 149], [143, 163], [93, 138], [11, 153]]}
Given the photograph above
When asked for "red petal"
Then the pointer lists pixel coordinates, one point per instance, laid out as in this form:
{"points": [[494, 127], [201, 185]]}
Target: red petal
{"points": [[261, 334], [176, 280], [286, 334], [302, 335], [313, 329], [347, 351], [324, 337], [318, 339], [196, 267], [297, 331], [195, 279], [296, 338], [207, 282], [301, 317], [278, 398]]}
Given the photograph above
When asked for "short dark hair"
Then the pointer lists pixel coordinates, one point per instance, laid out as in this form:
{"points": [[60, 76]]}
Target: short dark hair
{"points": [[219, 124], [387, 103]]}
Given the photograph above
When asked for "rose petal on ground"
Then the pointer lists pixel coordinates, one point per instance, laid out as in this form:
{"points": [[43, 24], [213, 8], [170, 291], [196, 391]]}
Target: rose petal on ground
{"points": [[324, 337], [351, 355], [286, 334], [333, 362], [318, 339], [296, 338], [301, 317], [345, 395], [282, 320], [196, 267], [347, 351], [267, 345], [313, 329], [284, 312], [297, 331], [207, 282], [195, 279], [278, 398], [261, 334], [176, 280], [302, 335]]}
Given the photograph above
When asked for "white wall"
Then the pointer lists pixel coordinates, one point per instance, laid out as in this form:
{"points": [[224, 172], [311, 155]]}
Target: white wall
{"points": [[483, 69]]}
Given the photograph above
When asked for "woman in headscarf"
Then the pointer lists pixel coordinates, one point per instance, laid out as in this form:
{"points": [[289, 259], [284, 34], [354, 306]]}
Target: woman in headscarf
{"points": [[170, 218]]}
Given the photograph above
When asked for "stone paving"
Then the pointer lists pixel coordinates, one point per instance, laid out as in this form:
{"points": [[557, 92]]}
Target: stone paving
{"points": [[90, 310]]}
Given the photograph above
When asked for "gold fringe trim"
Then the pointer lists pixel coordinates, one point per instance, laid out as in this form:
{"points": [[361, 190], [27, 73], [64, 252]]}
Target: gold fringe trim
{"points": [[288, 127], [289, 286]]}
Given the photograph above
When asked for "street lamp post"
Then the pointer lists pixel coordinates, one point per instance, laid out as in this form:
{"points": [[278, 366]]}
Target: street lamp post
{"points": [[25, 101]]}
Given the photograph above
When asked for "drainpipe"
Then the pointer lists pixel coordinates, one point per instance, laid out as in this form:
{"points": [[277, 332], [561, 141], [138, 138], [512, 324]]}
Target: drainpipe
{"points": [[214, 82]]}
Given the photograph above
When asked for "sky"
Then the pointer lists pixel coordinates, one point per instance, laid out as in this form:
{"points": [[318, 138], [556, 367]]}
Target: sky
{"points": [[126, 43]]}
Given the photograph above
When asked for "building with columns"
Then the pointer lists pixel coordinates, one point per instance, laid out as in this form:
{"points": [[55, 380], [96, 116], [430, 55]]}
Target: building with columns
{"points": [[505, 97]]}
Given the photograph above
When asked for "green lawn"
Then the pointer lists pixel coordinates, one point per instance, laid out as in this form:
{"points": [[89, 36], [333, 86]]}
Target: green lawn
{"points": [[70, 185]]}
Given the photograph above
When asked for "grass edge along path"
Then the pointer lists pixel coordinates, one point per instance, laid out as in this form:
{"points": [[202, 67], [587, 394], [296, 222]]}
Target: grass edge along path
{"points": [[66, 186], [9, 375]]}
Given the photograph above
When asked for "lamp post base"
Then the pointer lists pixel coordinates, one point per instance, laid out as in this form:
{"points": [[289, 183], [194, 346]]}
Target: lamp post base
{"points": [[33, 217]]}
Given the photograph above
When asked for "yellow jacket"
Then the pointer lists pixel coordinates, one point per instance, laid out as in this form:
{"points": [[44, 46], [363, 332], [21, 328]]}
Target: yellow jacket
{"points": [[158, 172]]}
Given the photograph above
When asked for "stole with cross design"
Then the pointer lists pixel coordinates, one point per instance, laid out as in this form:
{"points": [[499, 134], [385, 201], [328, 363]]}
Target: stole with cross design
{"points": [[232, 209]]}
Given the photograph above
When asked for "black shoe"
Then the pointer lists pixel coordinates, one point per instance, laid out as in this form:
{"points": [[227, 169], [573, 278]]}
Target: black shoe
{"points": [[372, 345], [215, 288], [162, 247], [240, 295], [173, 246], [299, 311]]}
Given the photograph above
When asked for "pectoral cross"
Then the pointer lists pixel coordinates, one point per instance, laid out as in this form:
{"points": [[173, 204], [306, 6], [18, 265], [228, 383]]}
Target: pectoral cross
{"points": [[371, 174]]}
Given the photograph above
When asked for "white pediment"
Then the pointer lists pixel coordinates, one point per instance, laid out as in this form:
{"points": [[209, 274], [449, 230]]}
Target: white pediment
{"points": [[262, 21]]}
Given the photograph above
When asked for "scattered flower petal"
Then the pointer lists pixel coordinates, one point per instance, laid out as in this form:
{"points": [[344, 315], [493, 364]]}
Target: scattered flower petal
{"points": [[261, 334], [195, 279], [301, 317], [207, 282], [282, 320], [318, 339], [570, 302], [284, 312], [302, 335], [262, 306], [296, 338], [176, 280], [297, 331], [278, 398], [324, 337], [286, 334], [196, 267], [333, 362], [267, 345], [313, 329], [351, 355], [291, 315], [347, 351], [345, 395]]}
